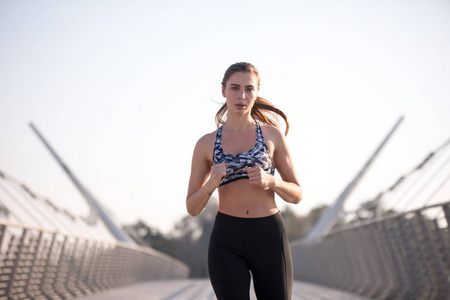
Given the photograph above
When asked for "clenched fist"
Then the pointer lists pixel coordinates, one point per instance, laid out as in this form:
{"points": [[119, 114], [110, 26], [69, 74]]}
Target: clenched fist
{"points": [[258, 176], [217, 172]]}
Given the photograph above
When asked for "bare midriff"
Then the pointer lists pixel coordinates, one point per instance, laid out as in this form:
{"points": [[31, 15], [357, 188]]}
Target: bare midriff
{"points": [[241, 199]]}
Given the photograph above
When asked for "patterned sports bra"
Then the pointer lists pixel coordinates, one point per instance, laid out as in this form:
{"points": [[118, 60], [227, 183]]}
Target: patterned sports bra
{"points": [[258, 156]]}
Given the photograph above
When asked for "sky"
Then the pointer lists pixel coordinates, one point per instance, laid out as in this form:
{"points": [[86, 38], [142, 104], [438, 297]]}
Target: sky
{"points": [[124, 89]]}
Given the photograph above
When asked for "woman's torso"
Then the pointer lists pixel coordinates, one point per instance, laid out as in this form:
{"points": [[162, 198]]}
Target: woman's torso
{"points": [[237, 197]]}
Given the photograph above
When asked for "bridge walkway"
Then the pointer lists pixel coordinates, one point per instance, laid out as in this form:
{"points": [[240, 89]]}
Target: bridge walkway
{"points": [[200, 289]]}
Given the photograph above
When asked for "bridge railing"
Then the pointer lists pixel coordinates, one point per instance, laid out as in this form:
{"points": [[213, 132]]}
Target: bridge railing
{"points": [[403, 256], [40, 264]]}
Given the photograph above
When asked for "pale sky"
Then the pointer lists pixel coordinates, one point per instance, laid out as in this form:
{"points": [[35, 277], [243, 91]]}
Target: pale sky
{"points": [[124, 89]]}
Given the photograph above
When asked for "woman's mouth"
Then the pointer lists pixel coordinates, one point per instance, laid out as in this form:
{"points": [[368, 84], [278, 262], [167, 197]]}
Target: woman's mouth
{"points": [[241, 106]]}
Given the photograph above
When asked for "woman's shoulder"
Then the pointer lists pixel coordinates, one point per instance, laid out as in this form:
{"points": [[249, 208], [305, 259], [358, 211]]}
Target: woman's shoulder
{"points": [[271, 132], [207, 138], [206, 142]]}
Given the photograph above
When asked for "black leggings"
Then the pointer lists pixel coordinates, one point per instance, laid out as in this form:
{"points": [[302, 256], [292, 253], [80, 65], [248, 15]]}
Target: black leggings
{"points": [[239, 246]]}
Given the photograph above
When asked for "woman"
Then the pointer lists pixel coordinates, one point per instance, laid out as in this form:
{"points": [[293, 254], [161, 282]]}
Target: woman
{"points": [[239, 160]]}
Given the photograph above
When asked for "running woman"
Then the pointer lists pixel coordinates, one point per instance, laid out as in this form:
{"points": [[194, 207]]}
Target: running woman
{"points": [[239, 159]]}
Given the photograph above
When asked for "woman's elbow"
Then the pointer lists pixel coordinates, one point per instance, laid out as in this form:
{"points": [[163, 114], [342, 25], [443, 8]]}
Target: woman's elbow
{"points": [[297, 200], [193, 211], [298, 197]]}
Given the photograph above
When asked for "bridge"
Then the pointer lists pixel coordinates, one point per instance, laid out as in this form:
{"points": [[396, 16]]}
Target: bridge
{"points": [[47, 253], [39, 264], [405, 256]]}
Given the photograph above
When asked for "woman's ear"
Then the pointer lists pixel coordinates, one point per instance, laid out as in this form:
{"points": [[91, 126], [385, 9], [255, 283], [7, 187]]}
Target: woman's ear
{"points": [[223, 91]]}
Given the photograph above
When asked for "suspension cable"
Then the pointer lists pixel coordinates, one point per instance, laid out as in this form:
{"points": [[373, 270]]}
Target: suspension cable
{"points": [[428, 182], [443, 183], [404, 179]]}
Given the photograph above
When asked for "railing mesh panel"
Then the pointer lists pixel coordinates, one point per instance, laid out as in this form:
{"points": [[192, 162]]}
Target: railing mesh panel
{"points": [[405, 256], [39, 264]]}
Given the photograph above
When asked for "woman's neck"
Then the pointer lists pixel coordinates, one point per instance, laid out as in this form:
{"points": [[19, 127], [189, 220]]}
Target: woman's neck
{"points": [[239, 123]]}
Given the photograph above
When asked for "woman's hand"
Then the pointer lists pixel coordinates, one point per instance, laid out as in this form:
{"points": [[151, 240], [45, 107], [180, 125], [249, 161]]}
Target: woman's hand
{"points": [[217, 172], [258, 176]]}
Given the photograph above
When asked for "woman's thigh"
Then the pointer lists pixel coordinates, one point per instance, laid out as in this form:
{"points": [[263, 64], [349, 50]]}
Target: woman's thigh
{"points": [[228, 267], [271, 266]]}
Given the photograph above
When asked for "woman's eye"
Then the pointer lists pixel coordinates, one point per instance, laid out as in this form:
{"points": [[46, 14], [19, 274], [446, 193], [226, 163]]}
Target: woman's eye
{"points": [[234, 88]]}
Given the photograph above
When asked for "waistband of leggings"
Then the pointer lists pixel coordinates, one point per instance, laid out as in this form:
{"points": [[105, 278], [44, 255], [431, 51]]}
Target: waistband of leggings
{"points": [[237, 226]]}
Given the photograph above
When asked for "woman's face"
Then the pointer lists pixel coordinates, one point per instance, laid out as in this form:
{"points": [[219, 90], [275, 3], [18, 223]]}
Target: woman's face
{"points": [[241, 91]]}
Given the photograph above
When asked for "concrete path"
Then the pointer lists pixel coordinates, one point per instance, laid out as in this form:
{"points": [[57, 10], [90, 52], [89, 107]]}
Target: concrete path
{"points": [[201, 290]]}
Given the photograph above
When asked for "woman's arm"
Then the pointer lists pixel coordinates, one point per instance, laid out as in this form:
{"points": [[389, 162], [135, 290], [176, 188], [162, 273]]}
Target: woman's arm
{"points": [[288, 187], [200, 187]]}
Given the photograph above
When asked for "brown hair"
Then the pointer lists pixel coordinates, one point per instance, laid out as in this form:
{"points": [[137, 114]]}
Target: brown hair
{"points": [[262, 110]]}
